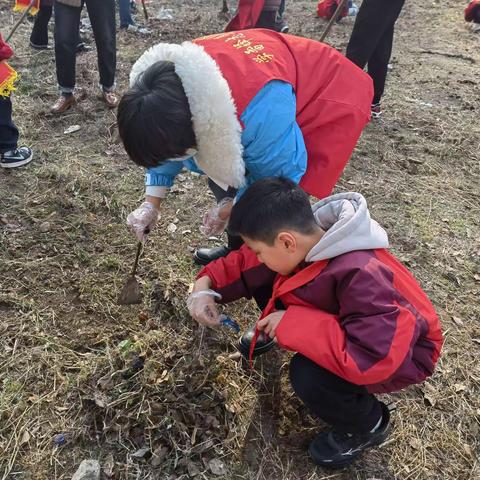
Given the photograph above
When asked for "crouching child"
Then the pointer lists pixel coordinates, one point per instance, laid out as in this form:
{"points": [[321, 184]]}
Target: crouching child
{"points": [[358, 321]]}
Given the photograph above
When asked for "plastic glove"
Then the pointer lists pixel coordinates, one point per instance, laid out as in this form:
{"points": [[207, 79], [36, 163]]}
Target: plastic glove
{"points": [[202, 307], [142, 220], [216, 219]]}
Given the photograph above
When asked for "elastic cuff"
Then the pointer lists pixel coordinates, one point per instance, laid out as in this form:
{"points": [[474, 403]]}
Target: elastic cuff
{"points": [[156, 191], [158, 180]]}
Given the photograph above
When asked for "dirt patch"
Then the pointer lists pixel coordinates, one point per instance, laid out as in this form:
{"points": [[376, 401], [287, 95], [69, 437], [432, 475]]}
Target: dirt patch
{"points": [[142, 388]]}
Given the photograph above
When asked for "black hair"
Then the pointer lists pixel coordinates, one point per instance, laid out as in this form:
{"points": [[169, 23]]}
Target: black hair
{"points": [[269, 206], [154, 118]]}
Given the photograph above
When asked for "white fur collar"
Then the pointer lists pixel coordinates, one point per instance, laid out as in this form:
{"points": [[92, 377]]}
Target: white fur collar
{"points": [[215, 123]]}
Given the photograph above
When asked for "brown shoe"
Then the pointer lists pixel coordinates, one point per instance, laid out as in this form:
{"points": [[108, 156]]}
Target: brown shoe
{"points": [[63, 104], [110, 99]]}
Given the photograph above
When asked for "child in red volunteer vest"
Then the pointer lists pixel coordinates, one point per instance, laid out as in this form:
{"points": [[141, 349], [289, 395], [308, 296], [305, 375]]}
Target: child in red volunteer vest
{"points": [[358, 320]]}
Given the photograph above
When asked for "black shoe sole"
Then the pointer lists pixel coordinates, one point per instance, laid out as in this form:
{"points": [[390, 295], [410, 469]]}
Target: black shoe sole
{"points": [[16, 164], [349, 460], [257, 351], [201, 260]]}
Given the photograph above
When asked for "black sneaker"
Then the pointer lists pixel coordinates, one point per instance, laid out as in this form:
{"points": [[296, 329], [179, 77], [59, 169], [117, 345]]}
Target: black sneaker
{"points": [[263, 344], [376, 110], [337, 450], [16, 158], [203, 256]]}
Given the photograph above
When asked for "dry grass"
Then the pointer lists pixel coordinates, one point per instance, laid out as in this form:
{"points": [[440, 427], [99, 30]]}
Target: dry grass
{"points": [[117, 380]]}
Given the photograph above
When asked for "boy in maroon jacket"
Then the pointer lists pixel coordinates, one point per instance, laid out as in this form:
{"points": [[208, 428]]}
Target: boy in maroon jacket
{"points": [[358, 320]]}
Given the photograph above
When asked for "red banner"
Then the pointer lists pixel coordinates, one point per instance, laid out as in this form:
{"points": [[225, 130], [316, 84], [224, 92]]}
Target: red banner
{"points": [[21, 5], [7, 79]]}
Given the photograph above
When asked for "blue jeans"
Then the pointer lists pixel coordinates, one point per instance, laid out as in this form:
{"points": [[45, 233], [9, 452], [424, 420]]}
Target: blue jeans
{"points": [[8, 130], [125, 13]]}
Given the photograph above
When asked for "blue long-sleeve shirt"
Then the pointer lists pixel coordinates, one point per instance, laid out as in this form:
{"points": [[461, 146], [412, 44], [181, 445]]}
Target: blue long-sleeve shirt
{"points": [[272, 141]]}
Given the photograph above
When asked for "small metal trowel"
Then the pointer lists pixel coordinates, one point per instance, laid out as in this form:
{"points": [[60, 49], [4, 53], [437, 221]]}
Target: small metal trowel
{"points": [[131, 293]]}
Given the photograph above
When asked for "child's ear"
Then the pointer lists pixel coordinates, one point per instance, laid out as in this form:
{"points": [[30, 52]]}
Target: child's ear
{"points": [[287, 241]]}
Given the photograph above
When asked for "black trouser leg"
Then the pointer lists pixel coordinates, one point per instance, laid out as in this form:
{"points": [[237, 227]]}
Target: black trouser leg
{"points": [[102, 18], [67, 22], [345, 406], [372, 38], [8, 130], [378, 64], [39, 35]]}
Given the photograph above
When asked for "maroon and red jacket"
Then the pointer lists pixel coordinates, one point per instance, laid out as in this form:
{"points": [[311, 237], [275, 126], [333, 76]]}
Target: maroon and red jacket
{"points": [[352, 308]]}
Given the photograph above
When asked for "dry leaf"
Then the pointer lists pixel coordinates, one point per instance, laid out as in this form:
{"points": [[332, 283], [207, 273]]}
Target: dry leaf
{"points": [[71, 129], [458, 321], [141, 452], [460, 387], [416, 444], [25, 438], [158, 456]]}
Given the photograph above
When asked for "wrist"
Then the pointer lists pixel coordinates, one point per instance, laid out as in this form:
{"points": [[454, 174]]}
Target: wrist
{"points": [[203, 283], [155, 201]]}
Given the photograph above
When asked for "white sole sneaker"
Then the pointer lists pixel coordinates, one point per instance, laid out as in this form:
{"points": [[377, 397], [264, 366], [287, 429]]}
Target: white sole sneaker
{"points": [[19, 163]]}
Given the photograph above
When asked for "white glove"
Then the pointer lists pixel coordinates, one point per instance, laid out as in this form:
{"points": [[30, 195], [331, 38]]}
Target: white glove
{"points": [[216, 219], [203, 309], [142, 220]]}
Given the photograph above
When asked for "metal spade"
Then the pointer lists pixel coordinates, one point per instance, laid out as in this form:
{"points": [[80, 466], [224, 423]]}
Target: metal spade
{"points": [[131, 293]]}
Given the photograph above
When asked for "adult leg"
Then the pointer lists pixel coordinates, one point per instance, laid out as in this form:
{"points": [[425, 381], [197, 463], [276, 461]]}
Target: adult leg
{"points": [[125, 13], [39, 35], [102, 18], [378, 62], [67, 22], [374, 18]]}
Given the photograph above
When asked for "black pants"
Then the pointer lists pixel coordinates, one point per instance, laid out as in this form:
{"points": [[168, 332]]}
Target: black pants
{"points": [[345, 406], [39, 35], [372, 38], [67, 23], [8, 130]]}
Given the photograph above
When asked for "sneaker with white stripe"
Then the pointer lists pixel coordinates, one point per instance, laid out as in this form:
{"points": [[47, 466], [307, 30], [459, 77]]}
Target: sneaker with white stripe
{"points": [[16, 158]]}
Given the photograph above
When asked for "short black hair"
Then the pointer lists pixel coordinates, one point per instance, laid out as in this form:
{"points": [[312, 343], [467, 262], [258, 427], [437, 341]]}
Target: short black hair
{"points": [[154, 118], [269, 206]]}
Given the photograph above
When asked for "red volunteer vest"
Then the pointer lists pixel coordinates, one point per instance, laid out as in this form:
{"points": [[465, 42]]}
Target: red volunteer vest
{"points": [[333, 95]]}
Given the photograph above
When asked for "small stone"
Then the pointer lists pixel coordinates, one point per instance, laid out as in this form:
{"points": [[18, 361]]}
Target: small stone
{"points": [[88, 470], [44, 227], [217, 467], [59, 439], [172, 228]]}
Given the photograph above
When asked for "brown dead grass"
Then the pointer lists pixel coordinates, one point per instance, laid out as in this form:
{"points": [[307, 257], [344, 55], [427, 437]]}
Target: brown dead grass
{"points": [[115, 380]]}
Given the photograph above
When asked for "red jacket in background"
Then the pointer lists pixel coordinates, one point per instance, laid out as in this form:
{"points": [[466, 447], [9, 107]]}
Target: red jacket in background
{"points": [[360, 315], [472, 12], [5, 50], [247, 15], [333, 95]]}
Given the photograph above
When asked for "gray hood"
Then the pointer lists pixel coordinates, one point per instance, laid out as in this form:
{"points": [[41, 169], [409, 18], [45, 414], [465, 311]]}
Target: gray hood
{"points": [[348, 226]]}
